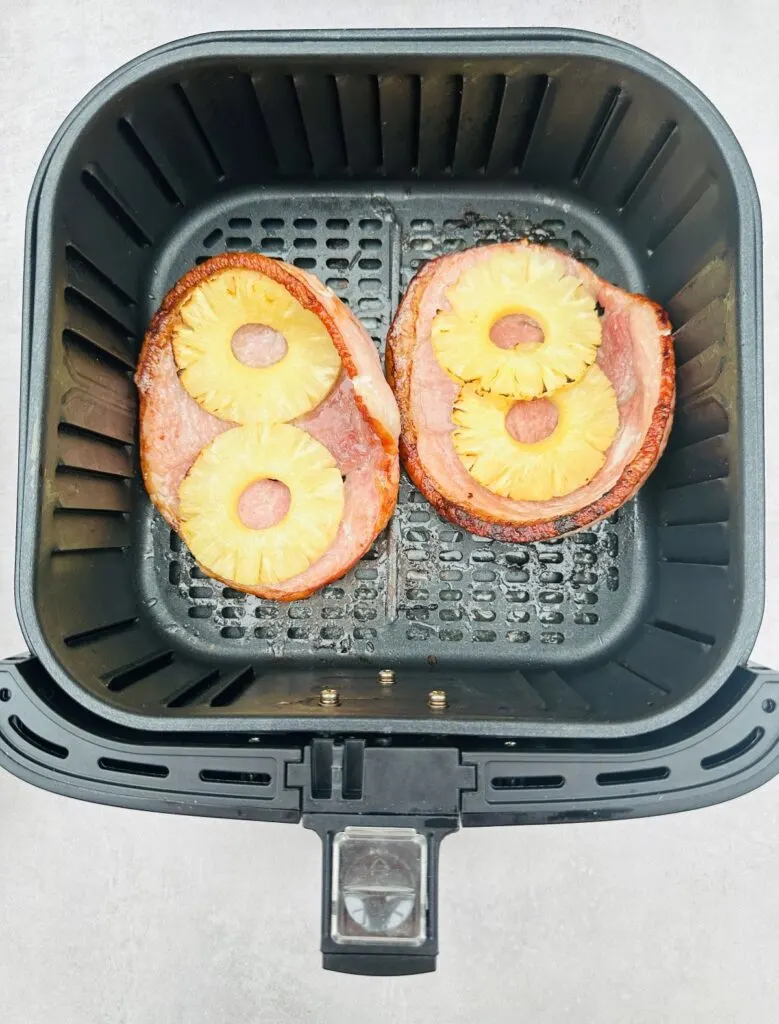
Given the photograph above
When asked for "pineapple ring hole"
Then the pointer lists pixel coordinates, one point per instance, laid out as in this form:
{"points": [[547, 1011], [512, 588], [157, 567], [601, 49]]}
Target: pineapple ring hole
{"points": [[263, 504], [258, 345], [533, 421], [516, 329]]}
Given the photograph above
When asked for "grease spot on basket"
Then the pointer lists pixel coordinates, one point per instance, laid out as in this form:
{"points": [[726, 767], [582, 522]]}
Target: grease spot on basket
{"points": [[518, 636], [450, 614], [551, 638], [417, 632]]}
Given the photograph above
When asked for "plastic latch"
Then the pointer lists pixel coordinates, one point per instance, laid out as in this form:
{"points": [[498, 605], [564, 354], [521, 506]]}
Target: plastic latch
{"points": [[381, 813]]}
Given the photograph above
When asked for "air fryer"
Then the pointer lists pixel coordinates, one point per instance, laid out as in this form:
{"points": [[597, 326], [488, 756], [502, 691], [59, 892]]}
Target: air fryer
{"points": [[448, 679]]}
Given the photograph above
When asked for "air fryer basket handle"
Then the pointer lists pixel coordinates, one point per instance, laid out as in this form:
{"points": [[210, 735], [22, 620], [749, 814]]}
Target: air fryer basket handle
{"points": [[381, 812]]}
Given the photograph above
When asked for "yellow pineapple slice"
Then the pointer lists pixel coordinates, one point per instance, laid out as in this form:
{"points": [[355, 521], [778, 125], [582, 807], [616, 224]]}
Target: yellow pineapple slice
{"points": [[528, 285], [233, 390], [210, 493], [561, 462]]}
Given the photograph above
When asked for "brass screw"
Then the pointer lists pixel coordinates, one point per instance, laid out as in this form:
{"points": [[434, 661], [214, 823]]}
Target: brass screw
{"points": [[386, 677], [436, 699], [329, 698]]}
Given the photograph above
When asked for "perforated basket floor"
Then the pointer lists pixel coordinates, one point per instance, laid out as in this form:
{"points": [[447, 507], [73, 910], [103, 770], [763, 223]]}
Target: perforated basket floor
{"points": [[426, 590]]}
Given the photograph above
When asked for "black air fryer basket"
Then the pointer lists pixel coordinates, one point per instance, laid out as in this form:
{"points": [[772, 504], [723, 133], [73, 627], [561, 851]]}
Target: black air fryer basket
{"points": [[600, 676]]}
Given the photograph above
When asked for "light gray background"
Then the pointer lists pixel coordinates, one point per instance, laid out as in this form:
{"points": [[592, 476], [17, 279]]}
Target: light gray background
{"points": [[116, 916]]}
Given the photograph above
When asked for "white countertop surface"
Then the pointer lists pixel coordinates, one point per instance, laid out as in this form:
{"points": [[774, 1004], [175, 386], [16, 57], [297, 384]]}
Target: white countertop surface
{"points": [[112, 916]]}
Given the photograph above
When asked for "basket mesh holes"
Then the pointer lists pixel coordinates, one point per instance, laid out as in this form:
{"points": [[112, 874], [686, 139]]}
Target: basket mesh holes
{"points": [[425, 582], [427, 240]]}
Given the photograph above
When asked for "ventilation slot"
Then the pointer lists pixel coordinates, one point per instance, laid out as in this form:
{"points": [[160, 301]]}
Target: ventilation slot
{"points": [[608, 121], [151, 771], [92, 531], [191, 694], [699, 462], [236, 778], [197, 127], [399, 99], [212, 238], [480, 107], [643, 678], [72, 430], [85, 269], [707, 502], [689, 634], [146, 160], [550, 691], [77, 490], [528, 782], [280, 108], [91, 636], [321, 113], [539, 109], [700, 330], [34, 740], [685, 207], [634, 777], [361, 119], [124, 364], [514, 118], [709, 286], [91, 315], [101, 191], [440, 100], [121, 680], [698, 544], [734, 752], [649, 169], [81, 450], [700, 422], [234, 690]]}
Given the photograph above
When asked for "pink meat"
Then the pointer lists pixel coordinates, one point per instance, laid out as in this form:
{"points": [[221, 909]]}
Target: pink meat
{"points": [[264, 503], [338, 424], [529, 422], [258, 345], [174, 429]]}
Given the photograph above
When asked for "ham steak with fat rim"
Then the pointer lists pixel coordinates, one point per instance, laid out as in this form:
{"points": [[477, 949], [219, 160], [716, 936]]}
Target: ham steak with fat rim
{"points": [[636, 354], [358, 422]]}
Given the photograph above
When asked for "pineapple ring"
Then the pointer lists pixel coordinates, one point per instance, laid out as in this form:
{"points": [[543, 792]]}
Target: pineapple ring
{"points": [[209, 494], [529, 284], [233, 390], [560, 463]]}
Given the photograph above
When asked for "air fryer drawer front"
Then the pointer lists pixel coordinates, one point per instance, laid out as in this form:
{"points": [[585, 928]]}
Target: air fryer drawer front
{"points": [[382, 805]]}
